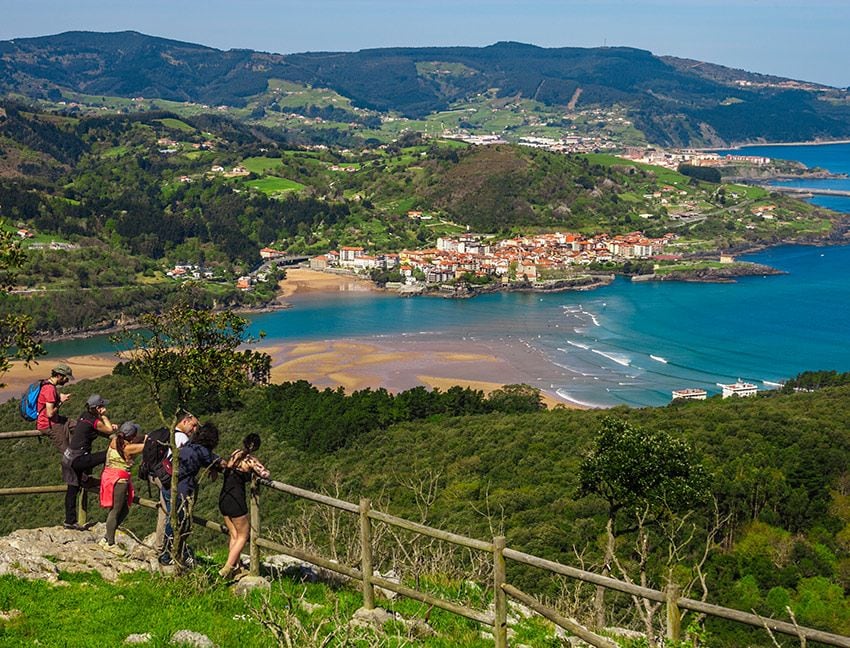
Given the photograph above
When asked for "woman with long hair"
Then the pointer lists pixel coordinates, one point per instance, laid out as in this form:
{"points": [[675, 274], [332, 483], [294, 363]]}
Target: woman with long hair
{"points": [[232, 503], [116, 484]]}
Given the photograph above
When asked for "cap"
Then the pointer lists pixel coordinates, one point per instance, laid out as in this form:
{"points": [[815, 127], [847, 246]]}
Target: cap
{"points": [[63, 370], [129, 429], [95, 400]]}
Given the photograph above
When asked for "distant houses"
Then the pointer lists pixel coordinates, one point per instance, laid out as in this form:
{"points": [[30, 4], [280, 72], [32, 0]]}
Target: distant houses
{"points": [[268, 253], [189, 271]]}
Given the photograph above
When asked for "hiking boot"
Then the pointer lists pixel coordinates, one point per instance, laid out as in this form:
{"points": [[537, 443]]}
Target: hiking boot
{"points": [[111, 548], [73, 526], [165, 559]]}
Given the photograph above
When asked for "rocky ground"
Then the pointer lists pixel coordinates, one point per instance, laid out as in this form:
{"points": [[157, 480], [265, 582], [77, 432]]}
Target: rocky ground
{"points": [[42, 553]]}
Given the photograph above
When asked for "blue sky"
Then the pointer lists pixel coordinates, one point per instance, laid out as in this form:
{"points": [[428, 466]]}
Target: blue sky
{"points": [[803, 40]]}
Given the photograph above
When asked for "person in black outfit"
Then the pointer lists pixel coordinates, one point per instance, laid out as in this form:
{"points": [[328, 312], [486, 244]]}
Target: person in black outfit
{"points": [[78, 459], [238, 470]]}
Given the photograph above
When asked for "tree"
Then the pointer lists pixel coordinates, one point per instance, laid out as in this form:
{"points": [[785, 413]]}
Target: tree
{"points": [[190, 359], [646, 477], [16, 336]]}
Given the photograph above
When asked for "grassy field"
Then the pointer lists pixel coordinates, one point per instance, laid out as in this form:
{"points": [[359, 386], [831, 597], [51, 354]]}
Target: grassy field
{"points": [[272, 185], [87, 611], [260, 164], [176, 124]]}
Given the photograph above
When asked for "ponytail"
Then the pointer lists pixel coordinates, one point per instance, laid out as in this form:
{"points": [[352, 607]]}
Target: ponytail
{"points": [[120, 444]]}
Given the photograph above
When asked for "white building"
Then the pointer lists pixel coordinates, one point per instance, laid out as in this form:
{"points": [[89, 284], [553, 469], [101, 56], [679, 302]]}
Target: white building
{"points": [[689, 394], [740, 389]]}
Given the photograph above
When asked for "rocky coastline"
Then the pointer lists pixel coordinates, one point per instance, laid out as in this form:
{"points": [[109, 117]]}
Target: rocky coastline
{"points": [[726, 274]]}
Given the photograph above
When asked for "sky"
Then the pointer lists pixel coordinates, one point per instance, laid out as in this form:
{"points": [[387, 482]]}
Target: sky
{"points": [[789, 38]]}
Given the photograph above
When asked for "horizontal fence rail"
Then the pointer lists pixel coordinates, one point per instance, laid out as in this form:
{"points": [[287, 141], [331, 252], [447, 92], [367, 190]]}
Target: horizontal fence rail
{"points": [[496, 620]]}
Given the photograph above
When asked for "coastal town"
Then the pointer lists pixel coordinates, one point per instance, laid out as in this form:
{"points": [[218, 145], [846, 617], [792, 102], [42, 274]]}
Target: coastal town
{"points": [[520, 259]]}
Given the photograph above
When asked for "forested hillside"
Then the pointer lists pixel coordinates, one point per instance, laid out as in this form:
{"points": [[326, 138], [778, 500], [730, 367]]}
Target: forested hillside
{"points": [[774, 522], [670, 102]]}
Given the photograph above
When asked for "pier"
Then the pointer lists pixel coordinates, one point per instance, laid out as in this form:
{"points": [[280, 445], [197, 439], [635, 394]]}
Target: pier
{"points": [[806, 191]]}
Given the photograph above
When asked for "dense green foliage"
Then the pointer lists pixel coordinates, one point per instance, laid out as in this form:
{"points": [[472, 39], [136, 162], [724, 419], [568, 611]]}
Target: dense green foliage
{"points": [[706, 174], [809, 380], [301, 412], [16, 336]]}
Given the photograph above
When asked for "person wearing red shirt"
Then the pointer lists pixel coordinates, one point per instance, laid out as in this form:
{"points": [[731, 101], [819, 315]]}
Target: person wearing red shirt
{"points": [[50, 422]]}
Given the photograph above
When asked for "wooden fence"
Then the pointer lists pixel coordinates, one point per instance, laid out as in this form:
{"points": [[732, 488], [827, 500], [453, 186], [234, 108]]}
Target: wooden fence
{"points": [[496, 548]]}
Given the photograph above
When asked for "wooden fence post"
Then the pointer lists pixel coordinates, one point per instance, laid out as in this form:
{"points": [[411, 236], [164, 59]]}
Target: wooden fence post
{"points": [[500, 600], [255, 527], [674, 617], [366, 553]]}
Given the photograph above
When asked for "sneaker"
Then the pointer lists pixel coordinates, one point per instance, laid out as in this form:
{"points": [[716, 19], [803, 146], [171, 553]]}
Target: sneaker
{"points": [[165, 559], [111, 548], [73, 526]]}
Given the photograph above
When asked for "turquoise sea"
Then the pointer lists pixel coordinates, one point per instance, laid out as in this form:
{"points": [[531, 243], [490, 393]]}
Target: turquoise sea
{"points": [[628, 343], [834, 157]]}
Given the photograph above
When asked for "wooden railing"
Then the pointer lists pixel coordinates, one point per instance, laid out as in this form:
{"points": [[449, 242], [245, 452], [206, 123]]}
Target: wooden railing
{"points": [[498, 550]]}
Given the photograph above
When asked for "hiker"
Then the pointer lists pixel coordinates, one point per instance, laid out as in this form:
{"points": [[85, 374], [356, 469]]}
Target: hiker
{"points": [[183, 431], [49, 421], [238, 470], [78, 459], [195, 455], [116, 483]]}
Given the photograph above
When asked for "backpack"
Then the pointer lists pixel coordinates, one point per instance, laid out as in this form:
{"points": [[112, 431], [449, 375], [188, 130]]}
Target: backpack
{"points": [[155, 461], [29, 401]]}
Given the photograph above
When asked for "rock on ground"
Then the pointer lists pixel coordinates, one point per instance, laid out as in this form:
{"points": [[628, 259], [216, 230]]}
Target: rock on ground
{"points": [[189, 638], [249, 583], [42, 553]]}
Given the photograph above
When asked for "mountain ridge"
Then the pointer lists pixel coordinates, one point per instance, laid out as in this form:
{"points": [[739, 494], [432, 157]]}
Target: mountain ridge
{"points": [[674, 101]]}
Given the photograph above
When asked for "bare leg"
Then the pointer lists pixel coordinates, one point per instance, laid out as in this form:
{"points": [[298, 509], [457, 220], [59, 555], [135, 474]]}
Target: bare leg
{"points": [[239, 529]]}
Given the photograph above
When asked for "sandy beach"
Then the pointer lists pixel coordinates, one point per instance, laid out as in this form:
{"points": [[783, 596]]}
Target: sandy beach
{"points": [[396, 364], [20, 376], [304, 280]]}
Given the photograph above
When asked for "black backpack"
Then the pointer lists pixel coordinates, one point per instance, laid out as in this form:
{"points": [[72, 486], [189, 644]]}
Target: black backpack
{"points": [[155, 461]]}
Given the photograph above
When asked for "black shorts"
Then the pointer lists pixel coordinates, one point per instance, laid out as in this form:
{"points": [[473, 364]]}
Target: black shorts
{"points": [[232, 503]]}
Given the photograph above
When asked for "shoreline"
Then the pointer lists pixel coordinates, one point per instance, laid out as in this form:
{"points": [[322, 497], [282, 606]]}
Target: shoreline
{"points": [[307, 282], [351, 363]]}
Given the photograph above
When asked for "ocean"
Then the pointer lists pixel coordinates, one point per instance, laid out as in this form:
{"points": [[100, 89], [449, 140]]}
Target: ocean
{"points": [[834, 157], [627, 343]]}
